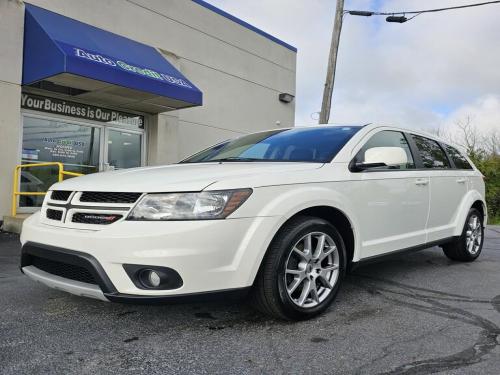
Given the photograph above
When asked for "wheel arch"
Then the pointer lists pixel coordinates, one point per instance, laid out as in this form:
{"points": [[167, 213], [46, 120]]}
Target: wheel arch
{"points": [[481, 207], [472, 200], [336, 216]]}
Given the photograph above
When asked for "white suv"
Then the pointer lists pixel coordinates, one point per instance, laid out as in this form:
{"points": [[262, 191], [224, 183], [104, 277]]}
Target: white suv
{"points": [[284, 213]]}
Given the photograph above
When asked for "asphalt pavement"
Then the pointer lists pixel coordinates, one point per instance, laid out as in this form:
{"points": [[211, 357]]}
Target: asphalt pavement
{"points": [[418, 313]]}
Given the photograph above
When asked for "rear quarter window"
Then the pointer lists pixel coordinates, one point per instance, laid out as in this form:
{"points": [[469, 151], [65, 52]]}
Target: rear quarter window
{"points": [[458, 158]]}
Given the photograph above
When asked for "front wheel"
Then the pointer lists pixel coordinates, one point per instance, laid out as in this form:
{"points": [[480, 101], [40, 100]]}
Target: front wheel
{"points": [[302, 270], [468, 246]]}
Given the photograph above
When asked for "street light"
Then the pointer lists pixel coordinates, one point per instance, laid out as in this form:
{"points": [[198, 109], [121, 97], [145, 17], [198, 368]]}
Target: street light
{"points": [[324, 114], [366, 13], [394, 17], [363, 13]]}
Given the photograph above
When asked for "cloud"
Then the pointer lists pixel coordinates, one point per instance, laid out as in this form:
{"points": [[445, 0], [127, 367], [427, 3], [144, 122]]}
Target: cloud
{"points": [[421, 74], [484, 113]]}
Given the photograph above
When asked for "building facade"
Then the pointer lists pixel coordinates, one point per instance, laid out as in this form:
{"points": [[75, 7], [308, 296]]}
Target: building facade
{"points": [[103, 84]]}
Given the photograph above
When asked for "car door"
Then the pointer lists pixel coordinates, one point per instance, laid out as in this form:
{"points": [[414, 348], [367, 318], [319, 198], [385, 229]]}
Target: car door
{"points": [[392, 201], [448, 187]]}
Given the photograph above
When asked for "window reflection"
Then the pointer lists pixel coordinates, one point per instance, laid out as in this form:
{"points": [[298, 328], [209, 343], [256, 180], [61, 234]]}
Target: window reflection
{"points": [[431, 153], [76, 146], [124, 149]]}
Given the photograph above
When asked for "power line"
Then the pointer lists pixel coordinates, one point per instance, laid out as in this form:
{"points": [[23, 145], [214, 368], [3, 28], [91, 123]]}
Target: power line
{"points": [[417, 12], [397, 17]]}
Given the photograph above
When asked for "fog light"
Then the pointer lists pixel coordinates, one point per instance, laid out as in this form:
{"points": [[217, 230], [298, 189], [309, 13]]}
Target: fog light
{"points": [[154, 279], [151, 278]]}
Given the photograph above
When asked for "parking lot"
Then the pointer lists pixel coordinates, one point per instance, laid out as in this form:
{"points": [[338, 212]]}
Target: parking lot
{"points": [[413, 314]]}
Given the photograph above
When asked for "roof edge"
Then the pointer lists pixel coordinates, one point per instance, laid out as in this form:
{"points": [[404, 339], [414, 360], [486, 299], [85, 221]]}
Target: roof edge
{"points": [[244, 24]]}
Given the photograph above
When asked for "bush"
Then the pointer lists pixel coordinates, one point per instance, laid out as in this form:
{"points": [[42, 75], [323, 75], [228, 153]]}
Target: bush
{"points": [[489, 165]]}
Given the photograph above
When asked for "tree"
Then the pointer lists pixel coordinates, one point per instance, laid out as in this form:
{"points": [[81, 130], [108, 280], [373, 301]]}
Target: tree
{"points": [[492, 143], [483, 148]]}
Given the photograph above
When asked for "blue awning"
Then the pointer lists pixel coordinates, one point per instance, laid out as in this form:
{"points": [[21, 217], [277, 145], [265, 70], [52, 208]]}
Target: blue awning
{"points": [[103, 66]]}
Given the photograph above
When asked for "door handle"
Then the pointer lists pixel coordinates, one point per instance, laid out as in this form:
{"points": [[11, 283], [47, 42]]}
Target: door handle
{"points": [[422, 181], [461, 180]]}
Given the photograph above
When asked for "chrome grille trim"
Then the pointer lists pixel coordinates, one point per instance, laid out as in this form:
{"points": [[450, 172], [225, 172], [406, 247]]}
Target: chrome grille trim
{"points": [[79, 214]]}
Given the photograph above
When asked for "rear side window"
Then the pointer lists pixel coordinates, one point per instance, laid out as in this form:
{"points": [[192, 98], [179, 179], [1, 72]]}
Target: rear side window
{"points": [[459, 160], [388, 138], [431, 153]]}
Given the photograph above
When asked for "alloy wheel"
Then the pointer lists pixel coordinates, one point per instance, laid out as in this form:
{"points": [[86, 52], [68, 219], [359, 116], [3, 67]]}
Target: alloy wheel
{"points": [[312, 269], [473, 235]]}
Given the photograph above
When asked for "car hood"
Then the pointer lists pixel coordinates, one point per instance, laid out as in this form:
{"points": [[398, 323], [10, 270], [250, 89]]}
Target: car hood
{"points": [[182, 177]]}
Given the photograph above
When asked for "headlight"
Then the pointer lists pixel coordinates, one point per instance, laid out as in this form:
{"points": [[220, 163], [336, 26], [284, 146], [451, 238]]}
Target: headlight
{"points": [[189, 206]]}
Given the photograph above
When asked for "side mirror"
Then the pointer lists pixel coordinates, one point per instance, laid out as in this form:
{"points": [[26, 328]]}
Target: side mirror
{"points": [[382, 157]]}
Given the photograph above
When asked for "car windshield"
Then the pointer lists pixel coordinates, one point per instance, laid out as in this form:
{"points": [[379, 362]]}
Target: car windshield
{"points": [[313, 145]]}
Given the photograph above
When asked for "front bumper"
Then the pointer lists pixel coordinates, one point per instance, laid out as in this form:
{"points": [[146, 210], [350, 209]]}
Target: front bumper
{"points": [[210, 256], [66, 285], [103, 289]]}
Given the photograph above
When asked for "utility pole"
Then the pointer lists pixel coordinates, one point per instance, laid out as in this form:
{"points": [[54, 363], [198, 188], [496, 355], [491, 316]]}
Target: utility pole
{"points": [[324, 115]]}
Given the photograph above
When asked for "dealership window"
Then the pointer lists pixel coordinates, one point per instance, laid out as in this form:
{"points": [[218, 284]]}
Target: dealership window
{"points": [[77, 146], [83, 147]]}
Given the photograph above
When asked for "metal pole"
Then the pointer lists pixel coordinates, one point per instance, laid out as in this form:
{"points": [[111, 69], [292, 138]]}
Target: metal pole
{"points": [[324, 115]]}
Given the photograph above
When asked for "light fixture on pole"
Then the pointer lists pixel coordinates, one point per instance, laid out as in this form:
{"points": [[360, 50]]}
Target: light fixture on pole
{"points": [[396, 19], [393, 17], [286, 97]]}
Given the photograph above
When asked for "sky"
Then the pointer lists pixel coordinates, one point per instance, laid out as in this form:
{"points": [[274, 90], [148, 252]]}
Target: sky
{"points": [[426, 74]]}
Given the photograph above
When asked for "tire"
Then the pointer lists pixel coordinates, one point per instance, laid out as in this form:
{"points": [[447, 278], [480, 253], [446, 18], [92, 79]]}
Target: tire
{"points": [[295, 266], [461, 249]]}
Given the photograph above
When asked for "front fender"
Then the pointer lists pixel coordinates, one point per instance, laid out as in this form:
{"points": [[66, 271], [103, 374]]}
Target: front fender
{"points": [[285, 202]]}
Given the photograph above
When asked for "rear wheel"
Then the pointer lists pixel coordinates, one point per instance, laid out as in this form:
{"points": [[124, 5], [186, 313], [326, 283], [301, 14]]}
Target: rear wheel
{"points": [[302, 270], [468, 246]]}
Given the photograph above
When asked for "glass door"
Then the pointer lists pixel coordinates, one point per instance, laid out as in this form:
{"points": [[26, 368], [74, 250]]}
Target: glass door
{"points": [[124, 149]]}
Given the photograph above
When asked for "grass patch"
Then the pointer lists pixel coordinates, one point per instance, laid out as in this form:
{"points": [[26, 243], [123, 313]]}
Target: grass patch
{"points": [[495, 220]]}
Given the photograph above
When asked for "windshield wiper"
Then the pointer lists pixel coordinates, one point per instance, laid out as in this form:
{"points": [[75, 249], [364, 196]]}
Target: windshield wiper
{"points": [[234, 158]]}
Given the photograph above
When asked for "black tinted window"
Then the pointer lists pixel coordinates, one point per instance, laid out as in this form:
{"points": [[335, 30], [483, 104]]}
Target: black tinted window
{"points": [[459, 160], [388, 138], [319, 145], [431, 153]]}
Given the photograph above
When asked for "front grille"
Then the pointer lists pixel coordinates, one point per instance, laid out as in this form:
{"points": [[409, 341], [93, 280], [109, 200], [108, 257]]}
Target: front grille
{"points": [[54, 214], [90, 218], [60, 195], [68, 271], [109, 197]]}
